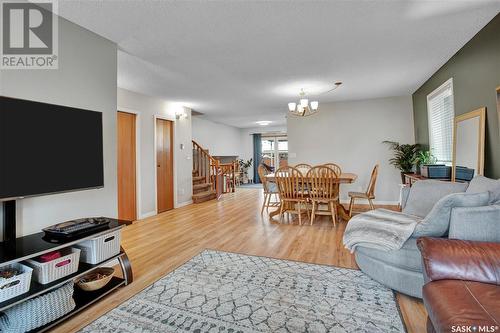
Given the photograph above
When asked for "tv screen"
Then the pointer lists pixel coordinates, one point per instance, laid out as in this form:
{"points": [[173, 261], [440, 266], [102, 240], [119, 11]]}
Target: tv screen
{"points": [[47, 148]]}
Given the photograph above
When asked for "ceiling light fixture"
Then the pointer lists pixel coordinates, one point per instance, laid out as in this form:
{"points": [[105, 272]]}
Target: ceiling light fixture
{"points": [[304, 108], [263, 122]]}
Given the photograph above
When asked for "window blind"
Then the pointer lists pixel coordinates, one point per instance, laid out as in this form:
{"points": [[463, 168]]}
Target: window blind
{"points": [[441, 114]]}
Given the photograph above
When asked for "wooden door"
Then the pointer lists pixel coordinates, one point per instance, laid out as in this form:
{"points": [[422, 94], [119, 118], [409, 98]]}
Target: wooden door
{"points": [[127, 192], [164, 165]]}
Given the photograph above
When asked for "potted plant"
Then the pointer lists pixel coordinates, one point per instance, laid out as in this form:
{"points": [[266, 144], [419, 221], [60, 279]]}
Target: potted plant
{"points": [[404, 156], [244, 166], [424, 157]]}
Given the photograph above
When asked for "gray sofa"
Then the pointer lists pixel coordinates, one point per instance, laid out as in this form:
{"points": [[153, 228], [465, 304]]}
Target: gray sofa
{"points": [[401, 269]]}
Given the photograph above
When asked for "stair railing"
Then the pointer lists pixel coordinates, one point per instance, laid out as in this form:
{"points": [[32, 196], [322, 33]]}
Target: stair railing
{"points": [[208, 167]]}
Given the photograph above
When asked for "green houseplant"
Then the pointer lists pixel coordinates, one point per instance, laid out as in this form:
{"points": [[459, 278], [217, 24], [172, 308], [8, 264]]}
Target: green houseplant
{"points": [[244, 166], [404, 156], [424, 157]]}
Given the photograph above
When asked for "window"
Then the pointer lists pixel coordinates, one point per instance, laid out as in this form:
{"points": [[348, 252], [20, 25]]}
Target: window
{"points": [[275, 151], [441, 114]]}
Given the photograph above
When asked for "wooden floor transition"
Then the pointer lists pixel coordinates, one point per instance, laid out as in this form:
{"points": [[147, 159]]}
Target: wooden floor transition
{"points": [[159, 244]]}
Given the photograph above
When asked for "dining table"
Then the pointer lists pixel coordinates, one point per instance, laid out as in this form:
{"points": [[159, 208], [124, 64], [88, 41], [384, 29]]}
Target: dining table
{"points": [[343, 178]]}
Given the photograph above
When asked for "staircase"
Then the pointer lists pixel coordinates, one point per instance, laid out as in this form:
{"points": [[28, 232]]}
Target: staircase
{"points": [[211, 179]]}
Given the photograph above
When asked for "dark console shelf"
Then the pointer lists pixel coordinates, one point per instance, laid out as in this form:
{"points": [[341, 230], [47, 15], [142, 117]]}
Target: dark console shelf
{"points": [[31, 246], [37, 289], [84, 299], [26, 247]]}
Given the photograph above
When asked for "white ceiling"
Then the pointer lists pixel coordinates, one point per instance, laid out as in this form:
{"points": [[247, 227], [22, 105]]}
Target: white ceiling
{"points": [[242, 61]]}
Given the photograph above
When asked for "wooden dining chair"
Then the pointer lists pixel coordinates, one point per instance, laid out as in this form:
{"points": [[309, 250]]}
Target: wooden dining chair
{"points": [[270, 189], [303, 167], [323, 189], [335, 168], [290, 183], [368, 195]]}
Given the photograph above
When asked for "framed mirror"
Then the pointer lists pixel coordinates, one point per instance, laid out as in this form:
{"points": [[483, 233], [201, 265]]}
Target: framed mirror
{"points": [[468, 145]]}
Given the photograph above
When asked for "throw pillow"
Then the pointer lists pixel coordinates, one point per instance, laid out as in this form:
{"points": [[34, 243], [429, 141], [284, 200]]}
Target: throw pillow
{"points": [[436, 224], [482, 184], [425, 193]]}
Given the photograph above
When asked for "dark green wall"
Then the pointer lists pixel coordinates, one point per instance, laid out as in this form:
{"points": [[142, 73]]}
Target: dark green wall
{"points": [[475, 70]]}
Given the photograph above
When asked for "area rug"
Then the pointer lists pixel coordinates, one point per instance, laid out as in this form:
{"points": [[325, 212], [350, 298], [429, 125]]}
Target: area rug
{"points": [[233, 293]]}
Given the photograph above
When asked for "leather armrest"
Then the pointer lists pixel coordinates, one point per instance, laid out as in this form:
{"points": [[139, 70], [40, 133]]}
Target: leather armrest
{"points": [[453, 259]]}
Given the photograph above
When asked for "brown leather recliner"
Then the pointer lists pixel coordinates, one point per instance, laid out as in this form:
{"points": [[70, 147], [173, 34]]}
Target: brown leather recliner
{"points": [[462, 290]]}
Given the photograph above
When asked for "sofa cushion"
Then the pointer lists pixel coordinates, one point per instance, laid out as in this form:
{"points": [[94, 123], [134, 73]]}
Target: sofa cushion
{"points": [[482, 184], [437, 222], [457, 303], [408, 257], [425, 194]]}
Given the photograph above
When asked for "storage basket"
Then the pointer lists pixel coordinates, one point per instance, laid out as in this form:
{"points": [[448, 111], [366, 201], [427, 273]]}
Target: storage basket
{"points": [[15, 285], [38, 311], [47, 272], [98, 249]]}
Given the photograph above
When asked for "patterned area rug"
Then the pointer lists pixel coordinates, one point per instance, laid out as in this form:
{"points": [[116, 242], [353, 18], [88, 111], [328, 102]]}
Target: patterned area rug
{"points": [[232, 293]]}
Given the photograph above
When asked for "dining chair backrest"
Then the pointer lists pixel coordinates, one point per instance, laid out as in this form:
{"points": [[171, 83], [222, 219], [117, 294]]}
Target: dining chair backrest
{"points": [[262, 171], [334, 167], [323, 183], [303, 167], [290, 182], [373, 181]]}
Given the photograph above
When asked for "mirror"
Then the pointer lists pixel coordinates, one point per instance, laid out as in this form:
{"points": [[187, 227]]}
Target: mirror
{"points": [[468, 145]]}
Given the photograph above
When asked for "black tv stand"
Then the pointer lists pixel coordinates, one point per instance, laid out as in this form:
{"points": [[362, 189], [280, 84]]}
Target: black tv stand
{"points": [[9, 220], [26, 247]]}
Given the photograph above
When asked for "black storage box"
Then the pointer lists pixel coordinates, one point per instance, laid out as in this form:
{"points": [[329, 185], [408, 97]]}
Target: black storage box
{"points": [[463, 173], [436, 171]]}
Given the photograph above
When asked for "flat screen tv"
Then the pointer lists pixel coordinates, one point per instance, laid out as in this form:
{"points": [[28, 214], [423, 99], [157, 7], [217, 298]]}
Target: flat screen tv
{"points": [[47, 148]]}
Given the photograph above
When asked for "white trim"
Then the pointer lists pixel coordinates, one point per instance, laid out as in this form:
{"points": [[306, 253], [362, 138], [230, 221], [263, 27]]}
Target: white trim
{"points": [[174, 156], [182, 204], [148, 214], [138, 199]]}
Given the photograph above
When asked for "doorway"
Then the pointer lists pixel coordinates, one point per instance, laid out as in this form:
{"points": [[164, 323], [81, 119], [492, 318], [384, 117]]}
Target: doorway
{"points": [[274, 151], [127, 171], [164, 165]]}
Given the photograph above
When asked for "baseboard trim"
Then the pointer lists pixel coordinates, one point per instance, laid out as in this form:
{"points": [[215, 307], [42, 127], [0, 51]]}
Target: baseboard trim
{"points": [[146, 215], [182, 204]]}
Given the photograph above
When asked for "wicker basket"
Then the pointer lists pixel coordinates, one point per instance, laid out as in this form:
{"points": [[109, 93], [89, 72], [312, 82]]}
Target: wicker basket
{"points": [[96, 250], [108, 273], [47, 272], [15, 285], [38, 311]]}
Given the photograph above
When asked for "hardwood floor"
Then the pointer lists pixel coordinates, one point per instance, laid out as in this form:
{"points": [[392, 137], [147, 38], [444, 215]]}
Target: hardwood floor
{"points": [[159, 244]]}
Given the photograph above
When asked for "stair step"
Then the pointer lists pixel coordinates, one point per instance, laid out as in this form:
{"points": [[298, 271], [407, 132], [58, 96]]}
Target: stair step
{"points": [[197, 188], [198, 180], [204, 196]]}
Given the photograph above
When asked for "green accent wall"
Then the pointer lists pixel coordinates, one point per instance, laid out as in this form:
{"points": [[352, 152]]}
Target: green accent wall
{"points": [[475, 70]]}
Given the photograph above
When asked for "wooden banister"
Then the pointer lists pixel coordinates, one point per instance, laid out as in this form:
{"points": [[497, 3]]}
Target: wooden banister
{"points": [[221, 176]]}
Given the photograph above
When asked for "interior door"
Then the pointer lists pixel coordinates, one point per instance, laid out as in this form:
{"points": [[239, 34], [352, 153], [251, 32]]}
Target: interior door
{"points": [[127, 192], [164, 165]]}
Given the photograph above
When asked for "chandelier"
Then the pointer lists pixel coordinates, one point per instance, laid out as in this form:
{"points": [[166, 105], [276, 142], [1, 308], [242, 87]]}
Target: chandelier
{"points": [[303, 108]]}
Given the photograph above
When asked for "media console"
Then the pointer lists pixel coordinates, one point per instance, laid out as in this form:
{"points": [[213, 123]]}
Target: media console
{"points": [[23, 248]]}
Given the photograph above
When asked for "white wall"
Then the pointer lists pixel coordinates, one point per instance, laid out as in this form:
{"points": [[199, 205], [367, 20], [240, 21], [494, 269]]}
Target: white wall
{"points": [[148, 108], [86, 79], [219, 139], [351, 134]]}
